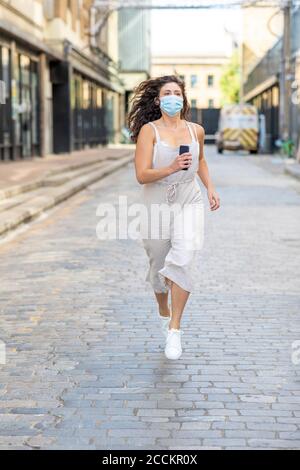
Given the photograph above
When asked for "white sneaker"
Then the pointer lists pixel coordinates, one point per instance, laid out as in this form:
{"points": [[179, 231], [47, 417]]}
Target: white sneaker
{"points": [[173, 348], [164, 324]]}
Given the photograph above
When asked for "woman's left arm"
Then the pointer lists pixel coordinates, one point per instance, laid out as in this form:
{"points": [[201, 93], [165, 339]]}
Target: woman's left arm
{"points": [[203, 172]]}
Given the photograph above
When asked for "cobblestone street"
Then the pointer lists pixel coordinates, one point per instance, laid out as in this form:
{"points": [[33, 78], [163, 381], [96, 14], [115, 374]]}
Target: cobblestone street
{"points": [[85, 365]]}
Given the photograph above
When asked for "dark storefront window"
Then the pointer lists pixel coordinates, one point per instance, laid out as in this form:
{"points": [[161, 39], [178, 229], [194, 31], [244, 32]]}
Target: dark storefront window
{"points": [[88, 113], [5, 109], [76, 104], [16, 94], [35, 108], [19, 127], [109, 115], [25, 105], [267, 104], [28, 106]]}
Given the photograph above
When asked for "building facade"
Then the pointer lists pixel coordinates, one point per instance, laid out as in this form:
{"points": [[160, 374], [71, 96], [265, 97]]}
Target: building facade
{"points": [[201, 75], [295, 82], [134, 39], [62, 87], [262, 69]]}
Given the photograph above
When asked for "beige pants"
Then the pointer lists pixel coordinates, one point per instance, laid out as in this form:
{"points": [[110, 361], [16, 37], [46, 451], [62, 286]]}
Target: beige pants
{"points": [[172, 235]]}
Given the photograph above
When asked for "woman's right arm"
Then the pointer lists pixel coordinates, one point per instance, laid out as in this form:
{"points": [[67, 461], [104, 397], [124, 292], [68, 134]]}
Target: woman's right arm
{"points": [[143, 159]]}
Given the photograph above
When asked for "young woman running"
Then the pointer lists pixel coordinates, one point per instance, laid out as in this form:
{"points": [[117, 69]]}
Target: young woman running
{"points": [[158, 125]]}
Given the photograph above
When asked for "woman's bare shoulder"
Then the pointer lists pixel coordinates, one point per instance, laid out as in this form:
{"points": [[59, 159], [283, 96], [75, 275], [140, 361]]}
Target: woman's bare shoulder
{"points": [[147, 132], [146, 127], [199, 129]]}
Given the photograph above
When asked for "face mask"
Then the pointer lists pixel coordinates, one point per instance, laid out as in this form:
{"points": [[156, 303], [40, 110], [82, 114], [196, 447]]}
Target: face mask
{"points": [[171, 104]]}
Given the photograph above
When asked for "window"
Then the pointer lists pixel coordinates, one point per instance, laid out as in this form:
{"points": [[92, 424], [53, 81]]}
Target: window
{"points": [[5, 108], [86, 94], [34, 105], [5, 76], [77, 101], [19, 116], [193, 80], [25, 105], [88, 112], [99, 98], [275, 96], [193, 103], [210, 80], [210, 103]]}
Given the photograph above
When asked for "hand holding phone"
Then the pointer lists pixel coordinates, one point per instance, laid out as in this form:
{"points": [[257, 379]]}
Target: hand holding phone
{"points": [[184, 149]]}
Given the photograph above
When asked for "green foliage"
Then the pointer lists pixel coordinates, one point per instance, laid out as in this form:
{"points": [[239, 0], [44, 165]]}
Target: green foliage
{"points": [[288, 147], [230, 81]]}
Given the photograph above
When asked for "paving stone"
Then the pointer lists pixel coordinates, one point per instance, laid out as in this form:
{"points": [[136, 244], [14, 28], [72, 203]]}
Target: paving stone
{"points": [[85, 362]]}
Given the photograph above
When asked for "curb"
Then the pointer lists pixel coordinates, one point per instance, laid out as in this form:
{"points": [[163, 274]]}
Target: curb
{"points": [[293, 169], [37, 205]]}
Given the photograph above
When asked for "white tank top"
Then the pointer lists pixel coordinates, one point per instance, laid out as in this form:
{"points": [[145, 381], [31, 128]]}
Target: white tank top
{"points": [[164, 154]]}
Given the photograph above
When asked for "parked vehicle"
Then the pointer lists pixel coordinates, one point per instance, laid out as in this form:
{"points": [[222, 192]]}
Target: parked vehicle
{"points": [[238, 128]]}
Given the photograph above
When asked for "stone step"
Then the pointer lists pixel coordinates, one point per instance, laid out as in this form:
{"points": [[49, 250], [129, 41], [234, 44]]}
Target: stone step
{"points": [[104, 155], [55, 180], [47, 197]]}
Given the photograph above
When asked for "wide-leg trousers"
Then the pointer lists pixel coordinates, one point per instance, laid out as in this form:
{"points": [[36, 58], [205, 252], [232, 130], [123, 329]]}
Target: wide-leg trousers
{"points": [[172, 234]]}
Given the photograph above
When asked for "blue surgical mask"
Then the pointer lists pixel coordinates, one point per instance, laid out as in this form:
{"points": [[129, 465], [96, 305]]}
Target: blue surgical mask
{"points": [[171, 104]]}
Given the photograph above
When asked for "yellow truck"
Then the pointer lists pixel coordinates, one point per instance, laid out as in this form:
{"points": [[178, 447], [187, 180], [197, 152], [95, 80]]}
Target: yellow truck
{"points": [[238, 128]]}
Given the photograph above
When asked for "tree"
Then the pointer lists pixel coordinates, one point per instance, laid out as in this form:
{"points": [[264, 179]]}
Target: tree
{"points": [[230, 80]]}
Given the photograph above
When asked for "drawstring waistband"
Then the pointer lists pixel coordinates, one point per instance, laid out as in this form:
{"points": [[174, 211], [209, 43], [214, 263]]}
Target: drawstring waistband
{"points": [[171, 189]]}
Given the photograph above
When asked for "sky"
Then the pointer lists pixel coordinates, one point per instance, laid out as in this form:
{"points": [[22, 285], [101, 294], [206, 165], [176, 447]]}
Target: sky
{"points": [[194, 31]]}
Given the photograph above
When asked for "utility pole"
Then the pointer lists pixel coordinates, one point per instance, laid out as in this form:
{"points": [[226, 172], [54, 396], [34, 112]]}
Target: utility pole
{"points": [[285, 73]]}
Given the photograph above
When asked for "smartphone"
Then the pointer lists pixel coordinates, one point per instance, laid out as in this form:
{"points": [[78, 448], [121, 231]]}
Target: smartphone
{"points": [[184, 149]]}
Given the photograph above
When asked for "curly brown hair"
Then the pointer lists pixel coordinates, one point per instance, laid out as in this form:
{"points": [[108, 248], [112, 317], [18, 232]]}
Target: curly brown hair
{"points": [[143, 107]]}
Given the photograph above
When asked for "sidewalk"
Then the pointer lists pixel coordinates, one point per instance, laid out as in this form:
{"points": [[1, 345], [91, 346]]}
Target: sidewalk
{"points": [[293, 168], [30, 187], [276, 164], [26, 171], [17, 173]]}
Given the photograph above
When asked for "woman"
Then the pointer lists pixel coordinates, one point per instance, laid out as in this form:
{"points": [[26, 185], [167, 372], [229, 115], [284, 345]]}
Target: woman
{"points": [[157, 121]]}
